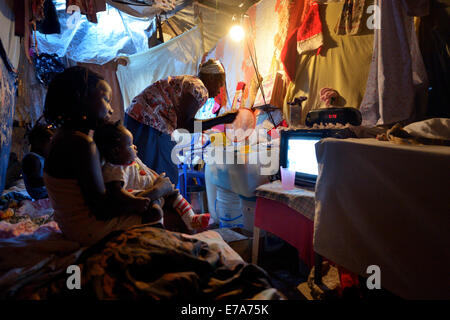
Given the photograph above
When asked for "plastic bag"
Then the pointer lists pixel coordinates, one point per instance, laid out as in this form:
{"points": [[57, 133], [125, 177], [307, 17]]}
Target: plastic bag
{"points": [[47, 66]]}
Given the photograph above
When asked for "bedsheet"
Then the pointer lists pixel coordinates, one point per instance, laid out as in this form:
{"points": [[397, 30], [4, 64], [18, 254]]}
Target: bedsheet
{"points": [[379, 203]]}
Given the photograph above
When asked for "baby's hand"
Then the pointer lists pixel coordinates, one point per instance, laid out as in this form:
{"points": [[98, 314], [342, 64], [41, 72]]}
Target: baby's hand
{"points": [[142, 204], [164, 184]]}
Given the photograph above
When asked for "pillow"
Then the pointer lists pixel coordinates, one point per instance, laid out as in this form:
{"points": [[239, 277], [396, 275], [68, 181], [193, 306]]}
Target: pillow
{"points": [[436, 128]]}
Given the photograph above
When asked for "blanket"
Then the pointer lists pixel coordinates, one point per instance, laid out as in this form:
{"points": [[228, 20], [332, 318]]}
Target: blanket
{"points": [[150, 263]]}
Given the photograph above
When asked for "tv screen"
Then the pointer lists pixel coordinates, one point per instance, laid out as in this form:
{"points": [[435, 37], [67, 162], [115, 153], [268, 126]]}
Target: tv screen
{"points": [[298, 153], [301, 155]]}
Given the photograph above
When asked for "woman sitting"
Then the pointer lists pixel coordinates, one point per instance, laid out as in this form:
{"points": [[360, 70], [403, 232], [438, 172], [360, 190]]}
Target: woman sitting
{"points": [[77, 102]]}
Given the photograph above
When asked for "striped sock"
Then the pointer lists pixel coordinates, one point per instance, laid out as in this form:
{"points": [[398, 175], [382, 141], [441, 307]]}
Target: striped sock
{"points": [[192, 220]]}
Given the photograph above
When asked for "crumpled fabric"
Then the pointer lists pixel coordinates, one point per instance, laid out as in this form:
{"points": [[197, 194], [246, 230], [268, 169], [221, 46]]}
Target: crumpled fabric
{"points": [[156, 264]]}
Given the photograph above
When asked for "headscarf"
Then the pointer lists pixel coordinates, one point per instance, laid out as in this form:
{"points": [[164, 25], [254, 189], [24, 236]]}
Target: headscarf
{"points": [[212, 66]]}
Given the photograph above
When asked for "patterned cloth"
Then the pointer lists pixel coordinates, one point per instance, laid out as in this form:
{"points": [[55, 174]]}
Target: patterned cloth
{"points": [[351, 17], [299, 199], [7, 103], [159, 104]]}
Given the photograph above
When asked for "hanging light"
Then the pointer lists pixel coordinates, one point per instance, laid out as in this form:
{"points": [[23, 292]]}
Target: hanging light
{"points": [[237, 32]]}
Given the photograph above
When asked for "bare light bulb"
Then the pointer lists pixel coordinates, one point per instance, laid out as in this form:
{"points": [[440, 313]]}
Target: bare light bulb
{"points": [[237, 33]]}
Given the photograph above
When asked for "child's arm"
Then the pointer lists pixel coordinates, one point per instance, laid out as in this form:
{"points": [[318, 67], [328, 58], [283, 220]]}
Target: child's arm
{"points": [[126, 201], [161, 187]]}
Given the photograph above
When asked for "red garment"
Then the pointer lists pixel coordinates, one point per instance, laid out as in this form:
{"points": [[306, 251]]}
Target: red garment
{"points": [[309, 35], [299, 12]]}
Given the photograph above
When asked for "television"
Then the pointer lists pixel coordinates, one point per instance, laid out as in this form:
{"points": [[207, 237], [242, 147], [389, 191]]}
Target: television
{"points": [[298, 153]]}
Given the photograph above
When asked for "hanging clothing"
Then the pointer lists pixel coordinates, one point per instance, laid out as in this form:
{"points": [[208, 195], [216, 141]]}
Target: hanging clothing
{"points": [[309, 35], [50, 22], [351, 17], [296, 40], [434, 42], [397, 73], [88, 7]]}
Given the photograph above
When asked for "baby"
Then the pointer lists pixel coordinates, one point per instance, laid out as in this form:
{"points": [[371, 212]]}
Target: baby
{"points": [[126, 175]]}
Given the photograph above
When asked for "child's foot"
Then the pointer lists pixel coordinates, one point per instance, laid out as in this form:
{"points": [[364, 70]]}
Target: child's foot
{"points": [[193, 221], [200, 221]]}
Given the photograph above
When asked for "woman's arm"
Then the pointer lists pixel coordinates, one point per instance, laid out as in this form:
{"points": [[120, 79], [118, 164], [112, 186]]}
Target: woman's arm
{"points": [[90, 179], [189, 108], [228, 117]]}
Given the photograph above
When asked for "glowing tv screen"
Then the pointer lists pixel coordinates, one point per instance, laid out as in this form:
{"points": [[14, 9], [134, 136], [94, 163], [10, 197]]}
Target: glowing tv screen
{"points": [[301, 156], [298, 153]]}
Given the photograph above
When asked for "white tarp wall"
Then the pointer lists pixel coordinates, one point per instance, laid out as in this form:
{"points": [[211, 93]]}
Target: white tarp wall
{"points": [[116, 33], [178, 56], [11, 43]]}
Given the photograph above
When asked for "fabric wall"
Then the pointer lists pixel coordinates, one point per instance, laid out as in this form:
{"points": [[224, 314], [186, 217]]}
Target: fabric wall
{"points": [[31, 93], [180, 55], [343, 64], [7, 102]]}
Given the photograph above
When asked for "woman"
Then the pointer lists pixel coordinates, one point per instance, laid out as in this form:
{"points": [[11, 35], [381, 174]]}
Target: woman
{"points": [[77, 102], [170, 104]]}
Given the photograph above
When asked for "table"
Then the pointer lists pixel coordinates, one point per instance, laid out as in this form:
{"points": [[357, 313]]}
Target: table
{"points": [[378, 203], [287, 214]]}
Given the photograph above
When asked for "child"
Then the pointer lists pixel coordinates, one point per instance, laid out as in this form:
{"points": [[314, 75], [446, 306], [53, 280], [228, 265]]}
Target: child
{"points": [[125, 174], [33, 162]]}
